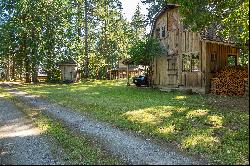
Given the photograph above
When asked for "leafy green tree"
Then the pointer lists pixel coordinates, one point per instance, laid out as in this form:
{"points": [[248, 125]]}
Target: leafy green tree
{"points": [[230, 16], [40, 33], [143, 52]]}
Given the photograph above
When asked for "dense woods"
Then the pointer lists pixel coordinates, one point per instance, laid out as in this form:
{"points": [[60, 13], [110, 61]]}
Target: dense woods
{"points": [[38, 34]]}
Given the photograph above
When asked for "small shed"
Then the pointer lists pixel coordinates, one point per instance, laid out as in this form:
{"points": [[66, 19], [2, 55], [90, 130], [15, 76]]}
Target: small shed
{"points": [[69, 70]]}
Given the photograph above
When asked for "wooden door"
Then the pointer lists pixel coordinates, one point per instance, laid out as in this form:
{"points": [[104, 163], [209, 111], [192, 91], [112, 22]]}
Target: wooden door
{"points": [[172, 72]]}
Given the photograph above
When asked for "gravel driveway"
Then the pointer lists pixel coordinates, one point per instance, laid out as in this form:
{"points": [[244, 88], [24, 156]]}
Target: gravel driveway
{"points": [[130, 148], [21, 143]]}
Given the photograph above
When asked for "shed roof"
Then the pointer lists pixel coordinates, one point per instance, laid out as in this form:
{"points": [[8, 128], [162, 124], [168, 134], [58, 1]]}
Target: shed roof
{"points": [[209, 33], [68, 61]]}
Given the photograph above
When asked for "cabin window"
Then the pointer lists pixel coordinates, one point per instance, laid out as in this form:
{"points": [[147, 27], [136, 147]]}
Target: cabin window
{"points": [[163, 31], [232, 60], [186, 62], [195, 62], [190, 62], [158, 32]]}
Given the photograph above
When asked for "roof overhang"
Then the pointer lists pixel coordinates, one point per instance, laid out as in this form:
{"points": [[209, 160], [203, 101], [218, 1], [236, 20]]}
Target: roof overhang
{"points": [[220, 42]]}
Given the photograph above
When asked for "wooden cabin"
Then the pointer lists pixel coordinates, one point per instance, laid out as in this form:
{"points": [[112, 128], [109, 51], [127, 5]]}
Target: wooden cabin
{"points": [[190, 58], [121, 71], [69, 70]]}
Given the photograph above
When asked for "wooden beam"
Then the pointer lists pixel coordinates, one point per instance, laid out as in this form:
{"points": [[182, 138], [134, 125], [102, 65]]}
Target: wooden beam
{"points": [[217, 42]]}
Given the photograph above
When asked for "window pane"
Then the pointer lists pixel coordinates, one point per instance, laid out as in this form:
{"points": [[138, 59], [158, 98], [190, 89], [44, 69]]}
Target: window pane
{"points": [[231, 60], [186, 62], [195, 62]]}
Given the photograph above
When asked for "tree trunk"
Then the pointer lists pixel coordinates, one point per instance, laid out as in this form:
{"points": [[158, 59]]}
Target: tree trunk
{"points": [[86, 41], [34, 74], [128, 75], [13, 69], [8, 69], [27, 70]]}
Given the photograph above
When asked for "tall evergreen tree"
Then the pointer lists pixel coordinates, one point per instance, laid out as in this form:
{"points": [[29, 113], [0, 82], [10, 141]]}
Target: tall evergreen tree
{"points": [[40, 33], [138, 24], [154, 7]]}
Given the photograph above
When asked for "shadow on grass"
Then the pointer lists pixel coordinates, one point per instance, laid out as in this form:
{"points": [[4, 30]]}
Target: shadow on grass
{"points": [[189, 120]]}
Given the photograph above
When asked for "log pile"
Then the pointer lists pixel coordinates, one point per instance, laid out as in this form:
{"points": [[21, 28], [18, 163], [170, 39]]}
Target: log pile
{"points": [[247, 88], [230, 81]]}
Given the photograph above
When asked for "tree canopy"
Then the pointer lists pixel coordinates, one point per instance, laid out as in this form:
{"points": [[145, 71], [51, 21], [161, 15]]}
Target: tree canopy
{"points": [[232, 16], [144, 50], [39, 34]]}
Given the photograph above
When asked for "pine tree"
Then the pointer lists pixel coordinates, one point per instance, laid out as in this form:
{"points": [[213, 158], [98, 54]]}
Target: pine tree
{"points": [[138, 24], [154, 7]]}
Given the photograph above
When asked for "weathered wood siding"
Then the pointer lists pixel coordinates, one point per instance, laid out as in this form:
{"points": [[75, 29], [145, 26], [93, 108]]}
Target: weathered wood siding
{"points": [[209, 56], [165, 70], [69, 72], [168, 67], [189, 44]]}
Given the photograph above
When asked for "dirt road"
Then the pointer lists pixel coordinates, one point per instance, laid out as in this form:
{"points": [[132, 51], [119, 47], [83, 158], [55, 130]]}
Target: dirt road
{"points": [[21, 143]]}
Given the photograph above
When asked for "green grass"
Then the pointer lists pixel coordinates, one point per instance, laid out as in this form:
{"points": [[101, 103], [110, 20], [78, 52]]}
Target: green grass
{"points": [[78, 149], [210, 126]]}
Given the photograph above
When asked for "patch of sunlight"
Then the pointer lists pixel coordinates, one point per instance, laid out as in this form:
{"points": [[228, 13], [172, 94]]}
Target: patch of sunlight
{"points": [[197, 113], [142, 116], [161, 111], [201, 139], [3, 94], [151, 115], [164, 114], [32, 96], [18, 93], [166, 130], [180, 97], [43, 126], [33, 112], [215, 120], [18, 131]]}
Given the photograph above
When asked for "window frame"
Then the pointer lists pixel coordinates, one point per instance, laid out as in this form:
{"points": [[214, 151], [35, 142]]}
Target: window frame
{"points": [[189, 60], [195, 56]]}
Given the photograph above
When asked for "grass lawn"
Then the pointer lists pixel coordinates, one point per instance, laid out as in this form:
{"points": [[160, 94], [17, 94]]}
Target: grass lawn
{"points": [[210, 126]]}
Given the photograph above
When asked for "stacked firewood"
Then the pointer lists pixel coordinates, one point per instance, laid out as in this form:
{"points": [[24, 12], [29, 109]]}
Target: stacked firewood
{"points": [[247, 87], [230, 81]]}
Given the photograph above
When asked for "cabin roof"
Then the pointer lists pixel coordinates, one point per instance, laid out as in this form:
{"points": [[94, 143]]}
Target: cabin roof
{"points": [[208, 33], [132, 68], [160, 13]]}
